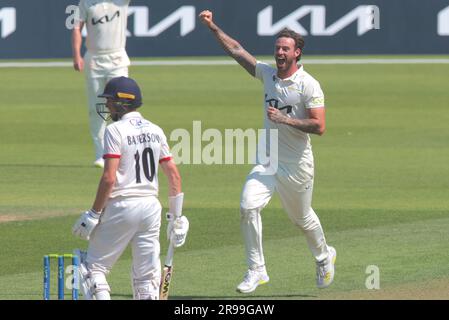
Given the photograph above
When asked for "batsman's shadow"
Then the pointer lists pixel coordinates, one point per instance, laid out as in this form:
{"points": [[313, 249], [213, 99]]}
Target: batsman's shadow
{"points": [[291, 296]]}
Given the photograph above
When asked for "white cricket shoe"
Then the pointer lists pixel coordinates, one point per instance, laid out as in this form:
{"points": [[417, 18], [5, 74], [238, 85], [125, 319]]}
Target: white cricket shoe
{"points": [[84, 275], [252, 279], [325, 270], [99, 163]]}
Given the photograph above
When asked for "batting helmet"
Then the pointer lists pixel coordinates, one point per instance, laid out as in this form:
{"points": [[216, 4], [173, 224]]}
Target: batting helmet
{"points": [[125, 90]]}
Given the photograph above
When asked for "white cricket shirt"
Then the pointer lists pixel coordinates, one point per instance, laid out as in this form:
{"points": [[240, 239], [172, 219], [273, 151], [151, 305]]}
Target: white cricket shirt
{"points": [[106, 22], [292, 96], [141, 146]]}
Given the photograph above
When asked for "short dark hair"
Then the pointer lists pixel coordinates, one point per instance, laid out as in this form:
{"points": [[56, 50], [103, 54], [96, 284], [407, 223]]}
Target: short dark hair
{"points": [[299, 40]]}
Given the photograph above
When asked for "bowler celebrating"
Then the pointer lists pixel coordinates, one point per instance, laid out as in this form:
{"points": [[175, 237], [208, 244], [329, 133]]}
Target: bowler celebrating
{"points": [[294, 105]]}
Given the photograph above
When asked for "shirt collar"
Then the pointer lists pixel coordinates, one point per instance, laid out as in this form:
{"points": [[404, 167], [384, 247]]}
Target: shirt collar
{"points": [[294, 76], [132, 114]]}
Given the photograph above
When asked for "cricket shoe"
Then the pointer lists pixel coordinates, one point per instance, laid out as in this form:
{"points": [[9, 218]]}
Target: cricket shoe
{"points": [[252, 279], [325, 270], [99, 163], [85, 281]]}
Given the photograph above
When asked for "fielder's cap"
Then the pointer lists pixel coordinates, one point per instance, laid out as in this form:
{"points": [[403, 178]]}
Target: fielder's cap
{"points": [[123, 89]]}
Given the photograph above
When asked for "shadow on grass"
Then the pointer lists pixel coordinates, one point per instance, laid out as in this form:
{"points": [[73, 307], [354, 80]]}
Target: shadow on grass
{"points": [[25, 165], [119, 296]]}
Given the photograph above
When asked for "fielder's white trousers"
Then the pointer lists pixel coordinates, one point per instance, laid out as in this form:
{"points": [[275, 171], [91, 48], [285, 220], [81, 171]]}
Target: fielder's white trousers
{"points": [[296, 197], [99, 69], [129, 220]]}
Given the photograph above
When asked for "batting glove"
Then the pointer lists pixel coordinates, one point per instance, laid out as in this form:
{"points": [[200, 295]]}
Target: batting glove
{"points": [[174, 211], [179, 233], [86, 224]]}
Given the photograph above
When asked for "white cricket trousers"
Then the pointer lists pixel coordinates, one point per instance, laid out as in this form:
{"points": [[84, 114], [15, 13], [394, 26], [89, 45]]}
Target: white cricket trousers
{"points": [[296, 198], [99, 69], [129, 220]]}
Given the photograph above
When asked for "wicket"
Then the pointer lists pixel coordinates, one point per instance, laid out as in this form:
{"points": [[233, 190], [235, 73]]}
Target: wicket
{"points": [[61, 272]]}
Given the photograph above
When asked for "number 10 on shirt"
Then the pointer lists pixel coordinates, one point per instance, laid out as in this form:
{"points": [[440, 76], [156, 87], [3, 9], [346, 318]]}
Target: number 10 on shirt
{"points": [[147, 162]]}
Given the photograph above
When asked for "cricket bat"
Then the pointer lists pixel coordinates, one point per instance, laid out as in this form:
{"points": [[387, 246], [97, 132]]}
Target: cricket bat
{"points": [[167, 273]]}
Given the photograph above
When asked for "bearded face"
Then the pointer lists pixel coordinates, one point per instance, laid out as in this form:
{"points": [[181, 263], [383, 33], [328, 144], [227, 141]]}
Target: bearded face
{"points": [[285, 54]]}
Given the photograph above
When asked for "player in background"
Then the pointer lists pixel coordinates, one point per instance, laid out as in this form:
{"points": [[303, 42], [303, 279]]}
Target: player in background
{"points": [[105, 58], [126, 208], [294, 105]]}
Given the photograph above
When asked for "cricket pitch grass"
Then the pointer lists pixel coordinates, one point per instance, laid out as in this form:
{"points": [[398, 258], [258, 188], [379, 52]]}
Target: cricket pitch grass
{"points": [[381, 181]]}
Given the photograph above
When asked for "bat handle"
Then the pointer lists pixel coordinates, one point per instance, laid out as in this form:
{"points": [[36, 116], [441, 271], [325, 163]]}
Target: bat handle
{"points": [[169, 257]]}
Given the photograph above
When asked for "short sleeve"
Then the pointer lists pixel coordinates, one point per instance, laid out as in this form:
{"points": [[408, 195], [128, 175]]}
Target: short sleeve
{"points": [[314, 95], [262, 69], [112, 143], [165, 154]]}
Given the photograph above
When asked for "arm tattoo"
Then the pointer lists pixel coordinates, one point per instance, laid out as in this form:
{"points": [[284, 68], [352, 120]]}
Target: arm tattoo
{"points": [[305, 125], [235, 50]]}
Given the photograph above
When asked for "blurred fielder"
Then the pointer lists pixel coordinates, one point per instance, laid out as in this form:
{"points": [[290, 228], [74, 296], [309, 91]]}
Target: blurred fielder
{"points": [[126, 208], [105, 58], [294, 105]]}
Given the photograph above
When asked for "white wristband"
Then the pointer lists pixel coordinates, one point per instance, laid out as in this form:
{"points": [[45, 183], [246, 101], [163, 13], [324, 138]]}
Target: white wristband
{"points": [[175, 204]]}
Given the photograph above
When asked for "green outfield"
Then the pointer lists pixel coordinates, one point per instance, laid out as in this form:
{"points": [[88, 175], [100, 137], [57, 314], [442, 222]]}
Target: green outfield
{"points": [[381, 186]]}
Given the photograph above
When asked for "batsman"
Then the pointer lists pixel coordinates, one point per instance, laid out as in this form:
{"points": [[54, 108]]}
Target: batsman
{"points": [[126, 209]]}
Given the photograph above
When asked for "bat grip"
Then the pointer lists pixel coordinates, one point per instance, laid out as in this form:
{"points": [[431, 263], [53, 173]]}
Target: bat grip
{"points": [[169, 257]]}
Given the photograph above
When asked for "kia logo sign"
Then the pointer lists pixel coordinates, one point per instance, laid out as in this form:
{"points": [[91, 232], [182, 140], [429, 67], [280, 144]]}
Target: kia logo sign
{"points": [[367, 17], [443, 22], [8, 21]]}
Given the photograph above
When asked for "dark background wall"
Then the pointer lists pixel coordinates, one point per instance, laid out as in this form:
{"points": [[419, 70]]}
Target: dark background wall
{"points": [[406, 27]]}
